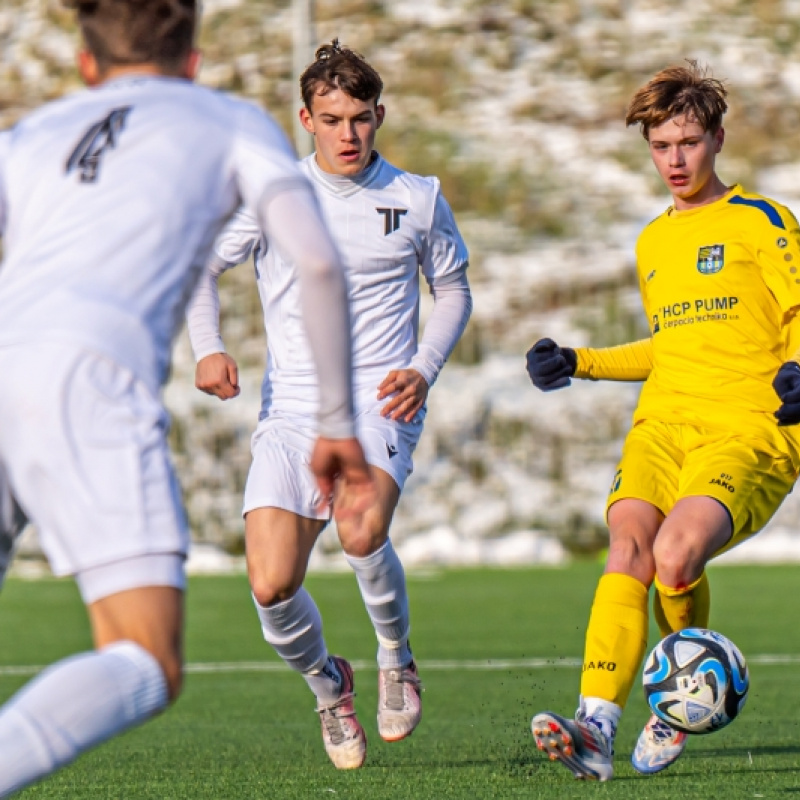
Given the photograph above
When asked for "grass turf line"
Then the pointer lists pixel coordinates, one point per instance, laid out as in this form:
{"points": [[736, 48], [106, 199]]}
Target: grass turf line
{"points": [[255, 735]]}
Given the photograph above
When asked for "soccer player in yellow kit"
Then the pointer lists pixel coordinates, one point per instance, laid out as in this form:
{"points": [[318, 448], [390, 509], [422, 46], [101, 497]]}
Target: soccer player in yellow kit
{"points": [[710, 457]]}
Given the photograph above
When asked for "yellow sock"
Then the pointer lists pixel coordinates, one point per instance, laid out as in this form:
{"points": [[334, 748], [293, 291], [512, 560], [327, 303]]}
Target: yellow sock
{"points": [[615, 639], [676, 609]]}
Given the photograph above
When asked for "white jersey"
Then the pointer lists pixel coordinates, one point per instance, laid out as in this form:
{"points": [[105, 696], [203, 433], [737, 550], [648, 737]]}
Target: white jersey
{"points": [[110, 201], [388, 226]]}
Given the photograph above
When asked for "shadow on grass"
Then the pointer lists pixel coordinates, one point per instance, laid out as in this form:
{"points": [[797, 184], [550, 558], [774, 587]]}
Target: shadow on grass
{"points": [[743, 752], [522, 764]]}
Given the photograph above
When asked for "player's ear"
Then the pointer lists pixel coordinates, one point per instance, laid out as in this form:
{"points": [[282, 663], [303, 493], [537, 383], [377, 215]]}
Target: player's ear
{"points": [[193, 62], [306, 120], [719, 140], [380, 113], [88, 68]]}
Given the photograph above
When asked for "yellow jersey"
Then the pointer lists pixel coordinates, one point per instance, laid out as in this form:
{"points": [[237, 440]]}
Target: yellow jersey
{"points": [[720, 286]]}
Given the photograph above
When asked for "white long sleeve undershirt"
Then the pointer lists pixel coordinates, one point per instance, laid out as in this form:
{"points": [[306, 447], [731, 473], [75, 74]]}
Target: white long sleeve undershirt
{"points": [[452, 306], [451, 312], [293, 224], [202, 313]]}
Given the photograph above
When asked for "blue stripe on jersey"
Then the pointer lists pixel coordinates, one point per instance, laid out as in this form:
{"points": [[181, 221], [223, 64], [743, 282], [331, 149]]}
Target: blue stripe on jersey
{"points": [[763, 205]]}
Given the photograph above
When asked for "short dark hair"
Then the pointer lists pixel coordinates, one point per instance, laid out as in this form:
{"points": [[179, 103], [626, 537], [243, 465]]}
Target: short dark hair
{"points": [[339, 67], [675, 91], [122, 32]]}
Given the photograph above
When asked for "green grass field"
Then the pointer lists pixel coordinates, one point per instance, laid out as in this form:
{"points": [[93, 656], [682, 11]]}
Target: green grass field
{"points": [[245, 728]]}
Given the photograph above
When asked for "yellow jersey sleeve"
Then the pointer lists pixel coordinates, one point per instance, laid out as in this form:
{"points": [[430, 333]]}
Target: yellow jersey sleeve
{"points": [[625, 362], [792, 331], [778, 255]]}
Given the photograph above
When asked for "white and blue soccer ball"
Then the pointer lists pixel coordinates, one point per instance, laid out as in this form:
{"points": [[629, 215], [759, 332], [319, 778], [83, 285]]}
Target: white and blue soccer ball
{"points": [[696, 680]]}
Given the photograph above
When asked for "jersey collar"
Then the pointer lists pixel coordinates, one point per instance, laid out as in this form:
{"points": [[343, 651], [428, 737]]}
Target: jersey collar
{"points": [[682, 216], [345, 185]]}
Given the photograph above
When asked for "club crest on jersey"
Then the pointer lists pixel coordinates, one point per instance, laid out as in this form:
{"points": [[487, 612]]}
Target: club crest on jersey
{"points": [[391, 218], [711, 259]]}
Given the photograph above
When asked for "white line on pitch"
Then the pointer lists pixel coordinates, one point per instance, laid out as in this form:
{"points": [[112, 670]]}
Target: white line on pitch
{"points": [[211, 667]]}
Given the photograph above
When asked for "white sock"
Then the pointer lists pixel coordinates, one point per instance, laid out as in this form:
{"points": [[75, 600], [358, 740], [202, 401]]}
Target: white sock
{"points": [[606, 713], [294, 629], [382, 582], [74, 705]]}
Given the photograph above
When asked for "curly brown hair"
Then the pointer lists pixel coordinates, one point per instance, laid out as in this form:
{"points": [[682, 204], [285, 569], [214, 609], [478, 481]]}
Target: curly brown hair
{"points": [[125, 32], [338, 67], [677, 91]]}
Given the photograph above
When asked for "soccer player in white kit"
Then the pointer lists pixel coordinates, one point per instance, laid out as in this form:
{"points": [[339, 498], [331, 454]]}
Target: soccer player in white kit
{"points": [[110, 201], [389, 226]]}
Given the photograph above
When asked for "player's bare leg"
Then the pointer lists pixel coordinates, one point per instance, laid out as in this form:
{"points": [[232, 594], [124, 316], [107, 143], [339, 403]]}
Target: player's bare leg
{"points": [[633, 526], [382, 582], [151, 617], [85, 699], [279, 544], [616, 634], [695, 529]]}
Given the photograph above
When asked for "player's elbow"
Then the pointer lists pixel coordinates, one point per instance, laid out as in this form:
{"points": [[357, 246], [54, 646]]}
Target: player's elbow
{"points": [[321, 269]]}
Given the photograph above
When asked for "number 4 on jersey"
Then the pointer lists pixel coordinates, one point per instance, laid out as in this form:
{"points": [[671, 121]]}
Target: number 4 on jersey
{"points": [[100, 137]]}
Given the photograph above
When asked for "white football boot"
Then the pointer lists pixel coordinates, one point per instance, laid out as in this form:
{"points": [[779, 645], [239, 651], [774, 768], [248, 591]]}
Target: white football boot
{"points": [[399, 702], [581, 745], [344, 738], [658, 746]]}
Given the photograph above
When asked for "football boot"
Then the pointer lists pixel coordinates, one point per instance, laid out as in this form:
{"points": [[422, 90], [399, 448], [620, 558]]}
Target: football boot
{"points": [[344, 738], [399, 702], [580, 744], [658, 746]]}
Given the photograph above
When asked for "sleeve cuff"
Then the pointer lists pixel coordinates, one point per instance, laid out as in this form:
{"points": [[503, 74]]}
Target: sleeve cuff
{"points": [[209, 350], [425, 368]]}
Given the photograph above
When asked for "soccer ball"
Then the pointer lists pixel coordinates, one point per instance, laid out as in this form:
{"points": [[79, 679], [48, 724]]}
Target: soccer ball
{"points": [[696, 680]]}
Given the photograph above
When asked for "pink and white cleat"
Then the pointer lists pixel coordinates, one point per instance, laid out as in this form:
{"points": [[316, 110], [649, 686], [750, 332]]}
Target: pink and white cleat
{"points": [[344, 738], [579, 744], [658, 746], [399, 702]]}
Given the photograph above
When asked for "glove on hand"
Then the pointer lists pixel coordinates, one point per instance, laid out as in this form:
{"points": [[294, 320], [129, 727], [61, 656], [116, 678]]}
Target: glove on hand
{"points": [[787, 387], [550, 366]]}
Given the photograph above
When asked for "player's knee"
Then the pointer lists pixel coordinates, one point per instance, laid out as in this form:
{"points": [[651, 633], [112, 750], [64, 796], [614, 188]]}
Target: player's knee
{"points": [[365, 542], [271, 589], [630, 555], [677, 559]]}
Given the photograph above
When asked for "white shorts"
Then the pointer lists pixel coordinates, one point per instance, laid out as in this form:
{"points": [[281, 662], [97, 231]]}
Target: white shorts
{"points": [[83, 444], [279, 476]]}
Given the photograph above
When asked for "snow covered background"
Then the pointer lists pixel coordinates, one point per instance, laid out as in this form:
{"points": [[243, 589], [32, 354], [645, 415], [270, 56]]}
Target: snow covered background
{"points": [[518, 107]]}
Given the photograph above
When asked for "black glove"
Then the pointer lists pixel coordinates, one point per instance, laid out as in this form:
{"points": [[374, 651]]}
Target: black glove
{"points": [[550, 366], [787, 387]]}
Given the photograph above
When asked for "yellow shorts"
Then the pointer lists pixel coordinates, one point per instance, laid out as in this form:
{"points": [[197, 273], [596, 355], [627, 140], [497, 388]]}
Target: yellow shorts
{"points": [[663, 462]]}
